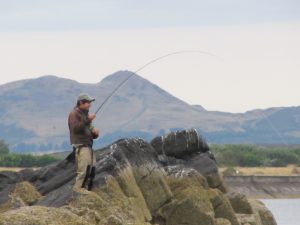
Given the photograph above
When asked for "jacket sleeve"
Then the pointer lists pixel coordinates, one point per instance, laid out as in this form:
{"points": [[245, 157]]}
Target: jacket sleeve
{"points": [[77, 123]]}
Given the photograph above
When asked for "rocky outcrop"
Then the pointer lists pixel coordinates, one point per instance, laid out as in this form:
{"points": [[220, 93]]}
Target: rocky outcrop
{"points": [[173, 180], [252, 211]]}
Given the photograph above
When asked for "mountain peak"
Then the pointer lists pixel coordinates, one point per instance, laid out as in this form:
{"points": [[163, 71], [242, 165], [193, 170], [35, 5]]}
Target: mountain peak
{"points": [[121, 75], [48, 77], [199, 108]]}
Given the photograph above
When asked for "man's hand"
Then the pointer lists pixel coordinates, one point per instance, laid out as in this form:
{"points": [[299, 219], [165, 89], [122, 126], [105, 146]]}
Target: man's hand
{"points": [[95, 133], [92, 117]]}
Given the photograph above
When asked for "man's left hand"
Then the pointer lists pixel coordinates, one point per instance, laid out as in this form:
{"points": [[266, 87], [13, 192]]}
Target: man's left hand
{"points": [[95, 133]]}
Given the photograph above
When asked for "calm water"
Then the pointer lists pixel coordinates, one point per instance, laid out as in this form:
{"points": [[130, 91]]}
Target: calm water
{"points": [[286, 211]]}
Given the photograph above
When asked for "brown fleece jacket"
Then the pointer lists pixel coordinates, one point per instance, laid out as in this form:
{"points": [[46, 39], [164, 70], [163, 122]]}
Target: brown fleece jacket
{"points": [[80, 127]]}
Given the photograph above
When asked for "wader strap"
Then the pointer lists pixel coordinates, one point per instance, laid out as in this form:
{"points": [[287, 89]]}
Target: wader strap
{"points": [[92, 176], [87, 174]]}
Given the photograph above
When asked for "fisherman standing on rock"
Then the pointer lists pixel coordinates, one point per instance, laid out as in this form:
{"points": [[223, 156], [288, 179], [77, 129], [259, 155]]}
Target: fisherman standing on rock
{"points": [[82, 133]]}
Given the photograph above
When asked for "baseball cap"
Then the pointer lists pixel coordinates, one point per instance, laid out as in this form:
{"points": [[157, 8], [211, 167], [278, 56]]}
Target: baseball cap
{"points": [[86, 97]]}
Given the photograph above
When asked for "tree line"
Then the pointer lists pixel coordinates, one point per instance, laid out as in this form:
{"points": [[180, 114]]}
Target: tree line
{"points": [[9, 159], [227, 155], [253, 155]]}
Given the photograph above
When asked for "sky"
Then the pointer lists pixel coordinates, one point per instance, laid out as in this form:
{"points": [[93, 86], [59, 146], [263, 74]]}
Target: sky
{"points": [[255, 44]]}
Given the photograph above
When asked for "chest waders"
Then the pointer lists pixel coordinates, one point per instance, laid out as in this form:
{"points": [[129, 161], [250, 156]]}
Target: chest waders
{"points": [[90, 169]]}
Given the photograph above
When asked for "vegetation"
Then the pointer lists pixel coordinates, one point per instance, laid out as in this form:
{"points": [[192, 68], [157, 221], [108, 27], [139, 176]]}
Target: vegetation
{"points": [[253, 156], [291, 170], [230, 171], [3, 147], [22, 160], [227, 155]]}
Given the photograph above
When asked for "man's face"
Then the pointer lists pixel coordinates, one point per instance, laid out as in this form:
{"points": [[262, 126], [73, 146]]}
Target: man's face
{"points": [[85, 105]]}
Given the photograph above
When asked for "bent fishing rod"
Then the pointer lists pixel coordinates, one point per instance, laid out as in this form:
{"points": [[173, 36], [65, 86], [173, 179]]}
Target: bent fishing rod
{"points": [[148, 64]]}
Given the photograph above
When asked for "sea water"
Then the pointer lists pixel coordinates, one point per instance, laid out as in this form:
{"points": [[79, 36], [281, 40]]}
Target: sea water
{"points": [[285, 211]]}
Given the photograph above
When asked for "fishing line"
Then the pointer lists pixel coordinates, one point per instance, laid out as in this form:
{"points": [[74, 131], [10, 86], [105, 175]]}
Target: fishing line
{"points": [[177, 53], [148, 64], [274, 128]]}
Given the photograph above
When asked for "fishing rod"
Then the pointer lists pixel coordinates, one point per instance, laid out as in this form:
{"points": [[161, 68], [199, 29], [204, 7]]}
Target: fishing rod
{"points": [[148, 64]]}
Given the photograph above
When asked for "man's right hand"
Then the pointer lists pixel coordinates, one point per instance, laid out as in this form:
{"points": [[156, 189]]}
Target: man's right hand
{"points": [[92, 117]]}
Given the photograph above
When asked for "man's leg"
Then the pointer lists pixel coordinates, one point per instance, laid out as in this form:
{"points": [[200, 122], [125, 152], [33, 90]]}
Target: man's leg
{"points": [[93, 171], [84, 162]]}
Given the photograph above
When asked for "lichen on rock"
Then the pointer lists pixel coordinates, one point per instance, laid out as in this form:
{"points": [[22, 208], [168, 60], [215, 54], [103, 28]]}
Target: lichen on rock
{"points": [[40, 215], [23, 194]]}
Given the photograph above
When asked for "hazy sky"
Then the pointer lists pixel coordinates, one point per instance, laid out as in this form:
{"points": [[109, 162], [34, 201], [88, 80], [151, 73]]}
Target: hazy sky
{"points": [[256, 41]]}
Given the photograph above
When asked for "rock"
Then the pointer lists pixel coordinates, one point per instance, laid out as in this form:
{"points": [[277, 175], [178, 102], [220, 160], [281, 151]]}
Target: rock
{"points": [[190, 204], [222, 206], [206, 165], [53, 177], [134, 184], [240, 203], [194, 198], [187, 148], [108, 204], [266, 216], [8, 181], [23, 194], [27, 193], [255, 208], [249, 219], [183, 172], [180, 143], [40, 215], [113, 220], [221, 221]]}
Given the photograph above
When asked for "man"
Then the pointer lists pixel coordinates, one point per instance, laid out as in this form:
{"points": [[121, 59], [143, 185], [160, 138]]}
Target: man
{"points": [[82, 133]]}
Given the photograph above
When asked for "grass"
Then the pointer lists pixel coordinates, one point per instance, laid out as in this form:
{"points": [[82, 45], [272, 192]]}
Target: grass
{"points": [[243, 171], [290, 170], [14, 169]]}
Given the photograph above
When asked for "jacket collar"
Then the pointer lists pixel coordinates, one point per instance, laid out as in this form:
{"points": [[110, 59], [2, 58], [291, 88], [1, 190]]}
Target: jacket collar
{"points": [[82, 110]]}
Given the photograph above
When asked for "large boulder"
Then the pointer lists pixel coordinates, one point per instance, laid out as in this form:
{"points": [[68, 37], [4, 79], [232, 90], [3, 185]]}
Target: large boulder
{"points": [[250, 210], [180, 143], [240, 203], [266, 216], [190, 203], [222, 206], [190, 150]]}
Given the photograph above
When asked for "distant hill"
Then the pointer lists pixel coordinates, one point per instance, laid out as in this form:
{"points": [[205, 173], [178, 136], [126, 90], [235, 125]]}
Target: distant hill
{"points": [[34, 112]]}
